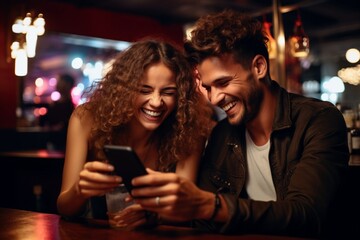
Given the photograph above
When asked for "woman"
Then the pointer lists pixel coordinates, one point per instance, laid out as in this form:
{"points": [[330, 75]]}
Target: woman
{"points": [[147, 100]]}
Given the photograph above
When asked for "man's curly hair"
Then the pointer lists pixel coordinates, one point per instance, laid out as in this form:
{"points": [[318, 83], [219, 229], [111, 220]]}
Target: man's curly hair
{"points": [[111, 102], [227, 32]]}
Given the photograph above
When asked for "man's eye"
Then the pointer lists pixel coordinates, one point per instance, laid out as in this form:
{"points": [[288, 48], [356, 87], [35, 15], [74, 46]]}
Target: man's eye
{"points": [[223, 83]]}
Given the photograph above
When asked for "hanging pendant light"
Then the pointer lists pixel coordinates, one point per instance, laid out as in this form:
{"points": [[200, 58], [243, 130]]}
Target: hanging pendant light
{"points": [[21, 62], [271, 44], [27, 32], [299, 41]]}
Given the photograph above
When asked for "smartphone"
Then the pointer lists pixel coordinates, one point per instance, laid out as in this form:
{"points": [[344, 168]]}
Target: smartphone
{"points": [[126, 163]]}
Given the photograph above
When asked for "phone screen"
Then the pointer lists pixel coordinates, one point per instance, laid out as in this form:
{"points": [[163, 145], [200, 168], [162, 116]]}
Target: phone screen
{"points": [[126, 163]]}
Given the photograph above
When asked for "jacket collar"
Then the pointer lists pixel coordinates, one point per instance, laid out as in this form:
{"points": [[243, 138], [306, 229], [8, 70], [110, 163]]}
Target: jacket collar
{"points": [[282, 118]]}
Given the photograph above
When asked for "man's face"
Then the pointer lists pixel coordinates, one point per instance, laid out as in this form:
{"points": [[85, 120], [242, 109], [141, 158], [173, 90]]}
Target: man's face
{"points": [[231, 87]]}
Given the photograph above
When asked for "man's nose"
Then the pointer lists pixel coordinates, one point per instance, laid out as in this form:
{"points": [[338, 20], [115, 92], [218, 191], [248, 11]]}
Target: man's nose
{"points": [[215, 96]]}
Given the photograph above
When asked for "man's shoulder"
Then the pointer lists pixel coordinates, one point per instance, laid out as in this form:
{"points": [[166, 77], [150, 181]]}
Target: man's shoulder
{"points": [[309, 103]]}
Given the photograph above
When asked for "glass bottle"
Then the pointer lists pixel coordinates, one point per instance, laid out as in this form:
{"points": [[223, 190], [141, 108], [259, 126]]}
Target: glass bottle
{"points": [[349, 117], [357, 119], [355, 141]]}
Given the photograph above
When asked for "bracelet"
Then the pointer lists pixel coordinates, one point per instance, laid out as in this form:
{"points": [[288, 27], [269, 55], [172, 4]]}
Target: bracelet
{"points": [[217, 206]]}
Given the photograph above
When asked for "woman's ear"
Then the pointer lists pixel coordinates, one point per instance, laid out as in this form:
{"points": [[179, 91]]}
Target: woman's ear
{"points": [[260, 66]]}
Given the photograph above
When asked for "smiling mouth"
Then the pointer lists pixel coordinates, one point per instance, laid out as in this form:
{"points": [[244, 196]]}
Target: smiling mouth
{"points": [[229, 106], [152, 113]]}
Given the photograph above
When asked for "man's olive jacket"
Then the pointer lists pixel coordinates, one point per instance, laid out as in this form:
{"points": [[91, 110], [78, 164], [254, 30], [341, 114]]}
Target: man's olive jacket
{"points": [[308, 158]]}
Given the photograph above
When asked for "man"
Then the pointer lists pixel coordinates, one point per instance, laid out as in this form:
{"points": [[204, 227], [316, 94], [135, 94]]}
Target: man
{"points": [[275, 164]]}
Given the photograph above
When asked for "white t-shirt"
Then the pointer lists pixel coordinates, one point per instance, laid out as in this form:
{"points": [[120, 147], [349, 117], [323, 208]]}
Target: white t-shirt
{"points": [[259, 185]]}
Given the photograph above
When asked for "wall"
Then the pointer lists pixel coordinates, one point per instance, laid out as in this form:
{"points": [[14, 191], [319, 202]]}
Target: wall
{"points": [[67, 18]]}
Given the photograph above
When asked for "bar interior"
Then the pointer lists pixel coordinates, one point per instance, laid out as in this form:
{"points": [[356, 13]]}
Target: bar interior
{"points": [[314, 51]]}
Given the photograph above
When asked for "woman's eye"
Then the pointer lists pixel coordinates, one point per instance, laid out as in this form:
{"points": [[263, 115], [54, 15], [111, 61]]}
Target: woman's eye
{"points": [[207, 88], [145, 91], [169, 93]]}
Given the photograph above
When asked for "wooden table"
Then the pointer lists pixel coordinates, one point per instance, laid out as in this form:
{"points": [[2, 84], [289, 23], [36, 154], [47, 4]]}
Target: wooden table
{"points": [[20, 224]]}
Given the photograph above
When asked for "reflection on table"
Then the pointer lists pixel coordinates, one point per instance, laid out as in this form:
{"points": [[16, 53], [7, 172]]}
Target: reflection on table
{"points": [[20, 224]]}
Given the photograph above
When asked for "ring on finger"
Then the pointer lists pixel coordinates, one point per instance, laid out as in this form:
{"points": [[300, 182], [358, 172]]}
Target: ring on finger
{"points": [[157, 201]]}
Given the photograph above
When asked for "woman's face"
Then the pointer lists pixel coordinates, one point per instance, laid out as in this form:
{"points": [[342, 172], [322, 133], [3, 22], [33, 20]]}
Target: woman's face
{"points": [[157, 97]]}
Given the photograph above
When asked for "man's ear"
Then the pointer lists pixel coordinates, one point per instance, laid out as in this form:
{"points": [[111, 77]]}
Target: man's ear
{"points": [[260, 66]]}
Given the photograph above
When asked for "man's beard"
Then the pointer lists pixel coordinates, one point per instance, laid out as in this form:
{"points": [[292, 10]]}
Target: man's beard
{"points": [[253, 101]]}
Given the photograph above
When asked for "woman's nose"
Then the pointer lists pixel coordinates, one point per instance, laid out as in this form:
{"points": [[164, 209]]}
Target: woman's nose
{"points": [[155, 100]]}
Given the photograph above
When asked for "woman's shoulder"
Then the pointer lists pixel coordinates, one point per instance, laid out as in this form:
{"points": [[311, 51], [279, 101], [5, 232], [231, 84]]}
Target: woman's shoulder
{"points": [[83, 115]]}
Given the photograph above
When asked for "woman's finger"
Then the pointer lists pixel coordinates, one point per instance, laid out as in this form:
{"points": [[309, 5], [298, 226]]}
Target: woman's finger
{"points": [[98, 166]]}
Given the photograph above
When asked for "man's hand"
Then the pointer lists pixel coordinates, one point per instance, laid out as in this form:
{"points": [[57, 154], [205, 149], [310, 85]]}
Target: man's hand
{"points": [[172, 197]]}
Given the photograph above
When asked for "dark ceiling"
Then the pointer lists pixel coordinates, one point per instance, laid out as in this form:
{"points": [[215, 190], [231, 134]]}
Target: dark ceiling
{"points": [[334, 22], [324, 20]]}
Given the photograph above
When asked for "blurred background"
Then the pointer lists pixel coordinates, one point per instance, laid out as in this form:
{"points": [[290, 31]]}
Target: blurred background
{"points": [[82, 36], [314, 51]]}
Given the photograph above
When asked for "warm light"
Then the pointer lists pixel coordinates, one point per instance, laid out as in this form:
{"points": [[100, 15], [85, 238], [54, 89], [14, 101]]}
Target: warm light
{"points": [[55, 96], [18, 26], [271, 43], [27, 19], [39, 23], [350, 75], [39, 91], [28, 33], [21, 63], [39, 82], [14, 48], [42, 111], [188, 28], [352, 55], [299, 41], [31, 39]]}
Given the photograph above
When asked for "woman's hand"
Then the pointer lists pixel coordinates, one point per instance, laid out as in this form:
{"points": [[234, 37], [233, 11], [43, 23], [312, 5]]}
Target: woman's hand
{"points": [[96, 179], [133, 216]]}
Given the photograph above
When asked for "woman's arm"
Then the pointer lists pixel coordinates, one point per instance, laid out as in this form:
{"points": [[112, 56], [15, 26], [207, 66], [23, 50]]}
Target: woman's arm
{"points": [[81, 179]]}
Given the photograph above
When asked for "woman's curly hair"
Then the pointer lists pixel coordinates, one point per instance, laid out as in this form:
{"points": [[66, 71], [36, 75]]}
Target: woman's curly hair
{"points": [[111, 102], [227, 32]]}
